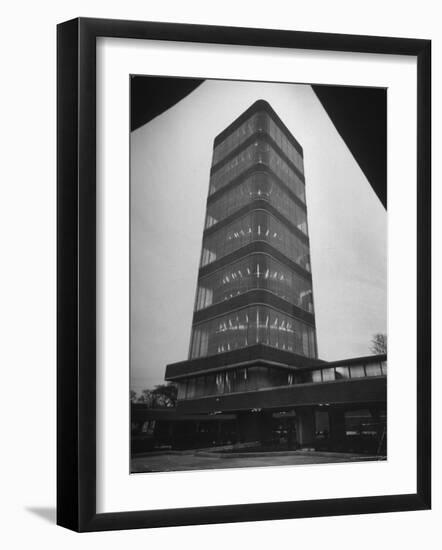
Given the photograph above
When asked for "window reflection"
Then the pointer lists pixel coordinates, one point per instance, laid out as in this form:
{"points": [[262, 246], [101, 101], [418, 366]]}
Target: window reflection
{"points": [[250, 326], [257, 271], [328, 374], [259, 186], [316, 376], [342, 372], [285, 145], [258, 153], [256, 123], [362, 423], [373, 369], [357, 371], [259, 122], [232, 380], [233, 168], [255, 226], [258, 377]]}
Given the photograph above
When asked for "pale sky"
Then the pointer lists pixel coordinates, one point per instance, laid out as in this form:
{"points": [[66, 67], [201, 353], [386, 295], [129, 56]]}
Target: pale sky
{"points": [[170, 165]]}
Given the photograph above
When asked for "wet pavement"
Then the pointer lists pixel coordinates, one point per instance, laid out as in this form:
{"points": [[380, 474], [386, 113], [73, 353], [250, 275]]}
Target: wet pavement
{"points": [[203, 460]]}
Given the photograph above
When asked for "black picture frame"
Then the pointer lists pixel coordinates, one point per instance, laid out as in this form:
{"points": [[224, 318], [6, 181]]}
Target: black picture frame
{"points": [[76, 273]]}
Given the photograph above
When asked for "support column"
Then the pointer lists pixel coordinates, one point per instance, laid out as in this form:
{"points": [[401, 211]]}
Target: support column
{"points": [[375, 415], [291, 434], [381, 431], [171, 434], [266, 428], [219, 433], [337, 429], [305, 426]]}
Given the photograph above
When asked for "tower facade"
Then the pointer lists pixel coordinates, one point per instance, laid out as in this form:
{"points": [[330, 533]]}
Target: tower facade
{"points": [[253, 319]]}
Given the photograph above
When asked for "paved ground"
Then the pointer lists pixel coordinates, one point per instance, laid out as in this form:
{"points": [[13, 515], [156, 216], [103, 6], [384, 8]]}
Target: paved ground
{"points": [[198, 460]]}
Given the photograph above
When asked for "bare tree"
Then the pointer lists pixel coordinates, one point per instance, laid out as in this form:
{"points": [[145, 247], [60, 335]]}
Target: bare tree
{"points": [[133, 396], [378, 344]]}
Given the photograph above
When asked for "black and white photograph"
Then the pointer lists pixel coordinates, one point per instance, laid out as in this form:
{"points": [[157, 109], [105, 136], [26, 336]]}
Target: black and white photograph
{"points": [[219, 237], [258, 274]]}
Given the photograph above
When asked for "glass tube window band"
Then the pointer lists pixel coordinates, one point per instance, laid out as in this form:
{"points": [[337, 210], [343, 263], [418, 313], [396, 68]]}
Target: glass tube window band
{"points": [[243, 379], [255, 226], [259, 186], [258, 153], [254, 272], [250, 326]]}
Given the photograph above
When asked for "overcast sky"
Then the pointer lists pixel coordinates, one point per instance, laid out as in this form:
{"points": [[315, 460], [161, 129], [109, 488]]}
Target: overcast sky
{"points": [[170, 165]]}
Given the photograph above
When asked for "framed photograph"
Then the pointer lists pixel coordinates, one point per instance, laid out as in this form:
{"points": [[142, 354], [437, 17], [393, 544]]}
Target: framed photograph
{"points": [[243, 226]]}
